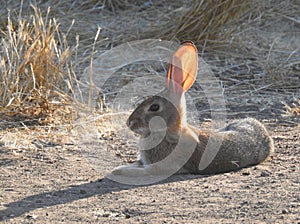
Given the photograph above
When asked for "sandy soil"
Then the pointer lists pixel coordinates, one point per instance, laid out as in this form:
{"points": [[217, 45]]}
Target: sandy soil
{"points": [[58, 184]]}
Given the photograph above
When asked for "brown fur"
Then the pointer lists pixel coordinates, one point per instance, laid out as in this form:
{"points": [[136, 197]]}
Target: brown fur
{"points": [[169, 144], [245, 143]]}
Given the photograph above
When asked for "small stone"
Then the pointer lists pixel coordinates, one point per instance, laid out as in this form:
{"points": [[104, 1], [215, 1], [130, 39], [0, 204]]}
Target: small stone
{"points": [[8, 189], [31, 216], [244, 203], [264, 174], [284, 211], [246, 173]]}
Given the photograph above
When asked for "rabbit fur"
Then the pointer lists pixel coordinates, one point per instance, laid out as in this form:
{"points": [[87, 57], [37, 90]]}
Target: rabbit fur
{"points": [[160, 120]]}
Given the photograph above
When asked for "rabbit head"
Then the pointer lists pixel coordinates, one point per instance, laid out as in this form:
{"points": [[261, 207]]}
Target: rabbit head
{"points": [[169, 105]]}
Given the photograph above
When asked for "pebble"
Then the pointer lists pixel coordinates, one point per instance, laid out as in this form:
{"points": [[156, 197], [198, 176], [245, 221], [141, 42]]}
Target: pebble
{"points": [[246, 173], [31, 216], [264, 174]]}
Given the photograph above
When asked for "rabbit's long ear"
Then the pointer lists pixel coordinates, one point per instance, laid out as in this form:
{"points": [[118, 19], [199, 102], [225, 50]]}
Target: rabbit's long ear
{"points": [[183, 68]]}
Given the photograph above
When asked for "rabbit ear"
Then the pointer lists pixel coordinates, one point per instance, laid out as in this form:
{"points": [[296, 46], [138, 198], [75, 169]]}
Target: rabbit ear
{"points": [[183, 68]]}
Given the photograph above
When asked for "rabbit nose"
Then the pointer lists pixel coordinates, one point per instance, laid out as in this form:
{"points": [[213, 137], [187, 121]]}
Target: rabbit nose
{"points": [[129, 123]]}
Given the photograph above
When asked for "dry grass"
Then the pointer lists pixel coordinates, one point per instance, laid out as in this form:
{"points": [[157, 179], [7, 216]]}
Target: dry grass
{"points": [[260, 36], [225, 29], [204, 23], [293, 109], [37, 79]]}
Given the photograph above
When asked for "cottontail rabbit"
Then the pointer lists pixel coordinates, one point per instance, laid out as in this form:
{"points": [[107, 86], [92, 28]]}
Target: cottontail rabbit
{"points": [[169, 144]]}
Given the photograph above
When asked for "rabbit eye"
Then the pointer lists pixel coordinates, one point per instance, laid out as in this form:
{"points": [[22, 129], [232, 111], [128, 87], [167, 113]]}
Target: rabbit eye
{"points": [[154, 107]]}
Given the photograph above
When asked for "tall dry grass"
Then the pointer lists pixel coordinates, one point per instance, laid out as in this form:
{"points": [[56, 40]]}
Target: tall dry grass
{"points": [[36, 76], [35, 58], [204, 23]]}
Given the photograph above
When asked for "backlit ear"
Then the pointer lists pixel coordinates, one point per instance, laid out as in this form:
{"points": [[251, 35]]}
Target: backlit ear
{"points": [[183, 67]]}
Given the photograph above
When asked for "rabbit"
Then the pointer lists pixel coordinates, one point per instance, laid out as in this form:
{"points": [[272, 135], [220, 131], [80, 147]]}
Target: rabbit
{"points": [[161, 122]]}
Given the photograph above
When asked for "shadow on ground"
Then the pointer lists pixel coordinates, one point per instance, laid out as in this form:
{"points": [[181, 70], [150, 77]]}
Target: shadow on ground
{"points": [[52, 198]]}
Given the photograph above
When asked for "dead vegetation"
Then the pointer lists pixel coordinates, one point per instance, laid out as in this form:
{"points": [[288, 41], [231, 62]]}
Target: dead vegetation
{"points": [[293, 109], [37, 78], [39, 67], [207, 22]]}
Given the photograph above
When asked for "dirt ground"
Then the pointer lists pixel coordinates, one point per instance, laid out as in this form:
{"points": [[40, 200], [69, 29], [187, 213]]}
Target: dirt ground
{"points": [[58, 184], [58, 179]]}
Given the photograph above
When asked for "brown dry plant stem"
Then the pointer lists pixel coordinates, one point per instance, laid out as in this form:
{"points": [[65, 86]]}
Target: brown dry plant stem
{"points": [[204, 22], [35, 67]]}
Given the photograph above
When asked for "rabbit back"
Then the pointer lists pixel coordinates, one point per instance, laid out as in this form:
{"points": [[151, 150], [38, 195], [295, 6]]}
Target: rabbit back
{"points": [[244, 143]]}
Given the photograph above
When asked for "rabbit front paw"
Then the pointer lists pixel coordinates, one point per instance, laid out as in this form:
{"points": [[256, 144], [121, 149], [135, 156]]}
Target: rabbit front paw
{"points": [[129, 171]]}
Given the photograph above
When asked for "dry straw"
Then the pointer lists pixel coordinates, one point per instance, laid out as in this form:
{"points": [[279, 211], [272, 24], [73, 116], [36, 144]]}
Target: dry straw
{"points": [[36, 69], [37, 77], [205, 21]]}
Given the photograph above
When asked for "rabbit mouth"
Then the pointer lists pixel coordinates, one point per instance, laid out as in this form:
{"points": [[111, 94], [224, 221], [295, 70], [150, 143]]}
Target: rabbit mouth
{"points": [[141, 131], [133, 126]]}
